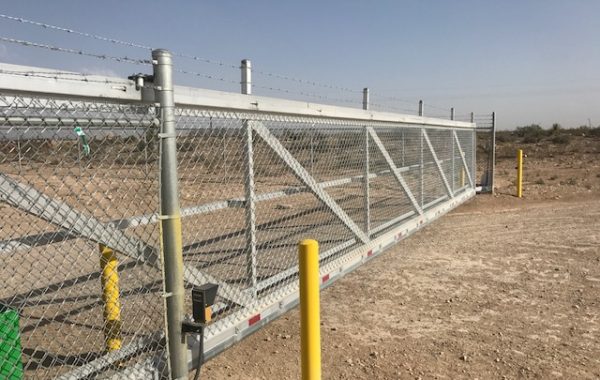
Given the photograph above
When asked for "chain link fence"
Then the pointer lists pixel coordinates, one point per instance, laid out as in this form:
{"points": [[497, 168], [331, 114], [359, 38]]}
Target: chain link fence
{"points": [[486, 151], [79, 210]]}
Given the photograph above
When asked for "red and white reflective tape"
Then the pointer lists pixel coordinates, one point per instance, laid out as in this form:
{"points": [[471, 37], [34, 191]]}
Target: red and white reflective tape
{"points": [[253, 320], [325, 278]]}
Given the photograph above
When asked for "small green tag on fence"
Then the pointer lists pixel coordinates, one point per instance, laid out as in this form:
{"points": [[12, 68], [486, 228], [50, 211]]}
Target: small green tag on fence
{"points": [[83, 139]]}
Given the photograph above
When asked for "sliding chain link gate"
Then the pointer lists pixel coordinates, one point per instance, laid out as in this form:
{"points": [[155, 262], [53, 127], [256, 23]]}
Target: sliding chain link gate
{"points": [[79, 208]]}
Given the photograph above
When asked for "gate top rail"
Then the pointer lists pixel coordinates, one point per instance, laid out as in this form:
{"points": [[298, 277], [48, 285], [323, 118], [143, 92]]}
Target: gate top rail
{"points": [[15, 80]]}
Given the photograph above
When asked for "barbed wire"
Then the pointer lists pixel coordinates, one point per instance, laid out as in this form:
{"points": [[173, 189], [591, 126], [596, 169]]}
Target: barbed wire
{"points": [[80, 77], [76, 51], [304, 81], [108, 39], [396, 99], [307, 94], [207, 76], [177, 54], [391, 108], [192, 57]]}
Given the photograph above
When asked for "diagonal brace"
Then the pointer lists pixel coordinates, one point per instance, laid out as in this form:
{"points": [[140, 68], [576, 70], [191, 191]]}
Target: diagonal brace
{"points": [[437, 164], [462, 157], [394, 169], [31, 201], [307, 179]]}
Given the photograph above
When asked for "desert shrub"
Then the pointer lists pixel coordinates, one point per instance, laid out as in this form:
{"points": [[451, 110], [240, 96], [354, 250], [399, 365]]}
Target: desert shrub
{"points": [[531, 133], [554, 177], [540, 181], [561, 139], [595, 132], [504, 137], [556, 128]]}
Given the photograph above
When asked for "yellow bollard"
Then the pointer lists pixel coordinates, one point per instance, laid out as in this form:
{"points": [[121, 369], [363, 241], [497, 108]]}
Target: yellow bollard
{"points": [[520, 173], [110, 295], [310, 325]]}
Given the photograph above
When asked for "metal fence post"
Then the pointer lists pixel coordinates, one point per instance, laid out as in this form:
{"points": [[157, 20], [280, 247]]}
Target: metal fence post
{"points": [[421, 108], [170, 218], [367, 202], [492, 163], [472, 117], [452, 113], [246, 77], [250, 205], [422, 166], [453, 159], [473, 156]]}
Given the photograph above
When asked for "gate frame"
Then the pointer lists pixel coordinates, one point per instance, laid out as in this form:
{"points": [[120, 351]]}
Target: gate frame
{"points": [[256, 313]]}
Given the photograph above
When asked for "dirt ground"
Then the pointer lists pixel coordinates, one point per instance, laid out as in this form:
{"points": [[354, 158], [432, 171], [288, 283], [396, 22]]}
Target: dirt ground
{"points": [[501, 288]]}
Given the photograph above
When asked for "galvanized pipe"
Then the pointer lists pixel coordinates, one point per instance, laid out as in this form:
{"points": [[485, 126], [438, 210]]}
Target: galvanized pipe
{"points": [[367, 201], [366, 206], [421, 108], [246, 77], [170, 218]]}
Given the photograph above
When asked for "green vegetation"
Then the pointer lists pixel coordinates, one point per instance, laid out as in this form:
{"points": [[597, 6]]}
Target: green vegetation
{"points": [[556, 134]]}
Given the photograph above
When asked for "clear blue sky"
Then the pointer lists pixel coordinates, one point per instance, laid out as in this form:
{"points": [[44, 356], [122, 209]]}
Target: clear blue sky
{"points": [[530, 61]]}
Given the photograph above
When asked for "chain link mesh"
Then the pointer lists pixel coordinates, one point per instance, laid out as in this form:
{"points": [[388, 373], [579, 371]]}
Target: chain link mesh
{"points": [[58, 203], [251, 186], [485, 146]]}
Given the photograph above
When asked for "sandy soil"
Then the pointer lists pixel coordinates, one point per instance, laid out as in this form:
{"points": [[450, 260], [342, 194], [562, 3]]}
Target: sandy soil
{"points": [[501, 288]]}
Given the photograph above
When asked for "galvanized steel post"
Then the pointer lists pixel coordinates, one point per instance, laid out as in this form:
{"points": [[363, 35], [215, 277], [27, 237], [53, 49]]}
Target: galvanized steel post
{"points": [[453, 159], [246, 77], [422, 167], [170, 218], [250, 204], [472, 117], [367, 202], [421, 108], [452, 113]]}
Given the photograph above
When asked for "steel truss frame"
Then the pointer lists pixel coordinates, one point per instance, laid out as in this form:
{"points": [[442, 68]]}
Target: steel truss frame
{"points": [[255, 311]]}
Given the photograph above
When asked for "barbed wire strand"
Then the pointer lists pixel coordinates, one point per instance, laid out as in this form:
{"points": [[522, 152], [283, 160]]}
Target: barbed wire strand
{"points": [[182, 55], [80, 77], [177, 54], [312, 95], [76, 51]]}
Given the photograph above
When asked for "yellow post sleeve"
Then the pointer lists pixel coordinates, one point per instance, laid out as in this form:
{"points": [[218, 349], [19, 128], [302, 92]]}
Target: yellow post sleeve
{"points": [[110, 295], [310, 324], [520, 173]]}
